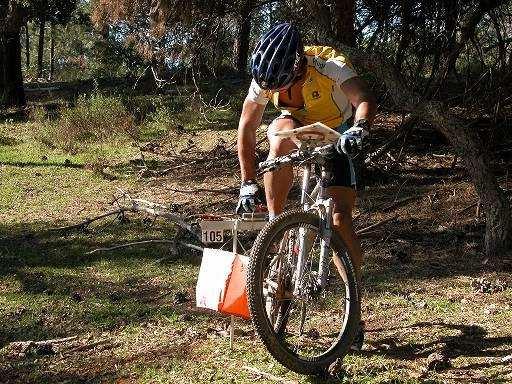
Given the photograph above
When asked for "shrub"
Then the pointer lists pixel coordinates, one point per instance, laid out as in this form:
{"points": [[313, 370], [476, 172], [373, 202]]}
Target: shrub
{"points": [[168, 114], [94, 119]]}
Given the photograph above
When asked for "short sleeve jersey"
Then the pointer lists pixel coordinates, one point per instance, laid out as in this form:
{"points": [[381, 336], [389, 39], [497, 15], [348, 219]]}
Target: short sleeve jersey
{"points": [[324, 100]]}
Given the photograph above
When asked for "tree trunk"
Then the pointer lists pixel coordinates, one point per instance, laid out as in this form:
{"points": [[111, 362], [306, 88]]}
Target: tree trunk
{"points": [[450, 20], [467, 31], [502, 51], [324, 18], [466, 142], [27, 46], [373, 38], [498, 236], [11, 78], [405, 33], [436, 62], [52, 52], [40, 48], [343, 18], [244, 34], [420, 68], [2, 70]]}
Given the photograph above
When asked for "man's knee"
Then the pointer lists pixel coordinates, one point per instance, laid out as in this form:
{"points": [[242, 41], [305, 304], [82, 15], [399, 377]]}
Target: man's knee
{"points": [[280, 146], [341, 219]]}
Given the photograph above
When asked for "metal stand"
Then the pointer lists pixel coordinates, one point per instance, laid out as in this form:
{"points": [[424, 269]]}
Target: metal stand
{"points": [[248, 222], [235, 249]]}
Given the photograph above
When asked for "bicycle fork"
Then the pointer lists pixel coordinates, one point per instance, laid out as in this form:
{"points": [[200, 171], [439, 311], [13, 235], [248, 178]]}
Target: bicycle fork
{"points": [[325, 242], [301, 257], [324, 206]]}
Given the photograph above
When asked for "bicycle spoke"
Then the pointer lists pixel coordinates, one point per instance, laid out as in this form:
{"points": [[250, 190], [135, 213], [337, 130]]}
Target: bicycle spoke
{"points": [[305, 323], [302, 310]]}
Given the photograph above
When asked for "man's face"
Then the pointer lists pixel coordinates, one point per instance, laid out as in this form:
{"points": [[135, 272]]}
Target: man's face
{"points": [[287, 86], [300, 76], [295, 80]]}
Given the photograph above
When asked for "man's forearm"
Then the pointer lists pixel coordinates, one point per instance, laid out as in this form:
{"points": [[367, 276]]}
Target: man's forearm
{"points": [[361, 97], [249, 122], [367, 110], [246, 151]]}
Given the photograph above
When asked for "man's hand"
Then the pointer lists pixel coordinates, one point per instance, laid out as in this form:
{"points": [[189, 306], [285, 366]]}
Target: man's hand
{"points": [[351, 140], [249, 197]]}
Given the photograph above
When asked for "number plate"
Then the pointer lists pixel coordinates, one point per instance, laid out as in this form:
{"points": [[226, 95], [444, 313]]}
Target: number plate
{"points": [[213, 236]]}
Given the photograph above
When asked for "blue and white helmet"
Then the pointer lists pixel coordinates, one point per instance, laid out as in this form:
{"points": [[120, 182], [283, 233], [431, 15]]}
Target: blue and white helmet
{"points": [[277, 57]]}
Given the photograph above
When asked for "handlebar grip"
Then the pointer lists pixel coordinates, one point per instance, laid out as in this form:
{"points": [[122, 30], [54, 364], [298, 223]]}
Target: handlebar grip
{"points": [[270, 165], [265, 164]]}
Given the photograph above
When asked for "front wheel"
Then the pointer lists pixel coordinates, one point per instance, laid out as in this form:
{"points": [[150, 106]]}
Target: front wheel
{"points": [[305, 329]]}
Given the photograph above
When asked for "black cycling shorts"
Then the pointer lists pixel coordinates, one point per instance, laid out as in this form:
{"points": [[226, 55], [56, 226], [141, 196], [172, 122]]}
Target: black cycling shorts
{"points": [[343, 174]]}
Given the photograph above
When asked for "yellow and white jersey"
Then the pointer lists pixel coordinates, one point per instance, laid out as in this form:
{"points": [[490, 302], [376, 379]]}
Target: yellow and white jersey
{"points": [[324, 100]]}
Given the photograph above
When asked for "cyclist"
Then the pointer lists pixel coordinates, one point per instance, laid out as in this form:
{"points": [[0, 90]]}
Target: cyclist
{"points": [[307, 84]]}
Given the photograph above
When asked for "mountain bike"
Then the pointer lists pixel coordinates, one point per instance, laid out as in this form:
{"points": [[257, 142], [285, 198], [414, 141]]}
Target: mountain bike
{"points": [[302, 288]]}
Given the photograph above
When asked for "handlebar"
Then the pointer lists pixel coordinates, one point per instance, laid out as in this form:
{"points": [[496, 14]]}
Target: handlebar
{"points": [[297, 156]]}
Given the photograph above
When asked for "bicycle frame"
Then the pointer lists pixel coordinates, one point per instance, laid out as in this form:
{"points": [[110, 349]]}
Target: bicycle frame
{"points": [[317, 200]]}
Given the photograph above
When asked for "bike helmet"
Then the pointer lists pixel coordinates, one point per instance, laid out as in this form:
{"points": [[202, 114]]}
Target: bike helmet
{"points": [[277, 57]]}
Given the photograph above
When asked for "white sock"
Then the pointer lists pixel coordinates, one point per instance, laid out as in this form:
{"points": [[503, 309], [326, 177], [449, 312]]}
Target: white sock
{"points": [[271, 215]]}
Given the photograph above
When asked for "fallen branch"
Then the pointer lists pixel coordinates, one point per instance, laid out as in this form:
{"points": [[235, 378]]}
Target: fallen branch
{"points": [[269, 375], [30, 343], [42, 348], [152, 241], [85, 347], [463, 210], [84, 224], [57, 341], [402, 130], [399, 202], [363, 230], [167, 170], [140, 205], [221, 191]]}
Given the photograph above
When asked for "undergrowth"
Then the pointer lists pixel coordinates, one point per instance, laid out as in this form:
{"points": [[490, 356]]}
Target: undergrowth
{"points": [[93, 119], [99, 118]]}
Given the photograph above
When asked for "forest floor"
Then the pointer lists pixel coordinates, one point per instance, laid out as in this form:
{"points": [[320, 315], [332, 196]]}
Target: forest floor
{"points": [[436, 310]]}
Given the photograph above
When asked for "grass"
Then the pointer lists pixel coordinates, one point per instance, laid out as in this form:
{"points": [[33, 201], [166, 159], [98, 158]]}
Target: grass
{"points": [[133, 298]]}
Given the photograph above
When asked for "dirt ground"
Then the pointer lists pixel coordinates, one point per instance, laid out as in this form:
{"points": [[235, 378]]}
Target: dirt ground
{"points": [[436, 309]]}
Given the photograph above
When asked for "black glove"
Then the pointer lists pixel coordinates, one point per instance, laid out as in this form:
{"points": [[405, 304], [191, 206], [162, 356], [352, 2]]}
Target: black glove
{"points": [[249, 197], [351, 140]]}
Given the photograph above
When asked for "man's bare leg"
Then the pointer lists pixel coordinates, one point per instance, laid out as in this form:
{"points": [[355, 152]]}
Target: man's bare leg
{"points": [[344, 201], [279, 182]]}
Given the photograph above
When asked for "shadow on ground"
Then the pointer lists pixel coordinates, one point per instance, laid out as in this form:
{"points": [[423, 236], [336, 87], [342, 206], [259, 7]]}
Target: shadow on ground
{"points": [[470, 341]]}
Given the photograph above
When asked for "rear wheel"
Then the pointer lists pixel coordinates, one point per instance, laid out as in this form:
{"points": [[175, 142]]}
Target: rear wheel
{"points": [[305, 329]]}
